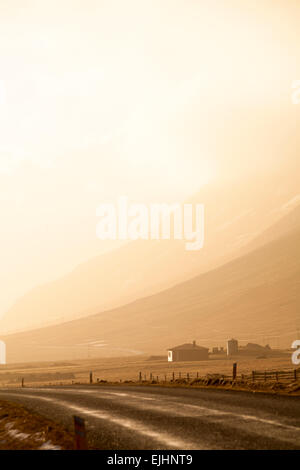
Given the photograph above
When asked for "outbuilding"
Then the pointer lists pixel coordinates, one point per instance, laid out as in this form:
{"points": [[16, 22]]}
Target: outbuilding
{"points": [[187, 352]]}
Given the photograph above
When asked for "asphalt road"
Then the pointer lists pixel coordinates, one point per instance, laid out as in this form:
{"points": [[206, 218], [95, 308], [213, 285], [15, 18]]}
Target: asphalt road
{"points": [[141, 417]]}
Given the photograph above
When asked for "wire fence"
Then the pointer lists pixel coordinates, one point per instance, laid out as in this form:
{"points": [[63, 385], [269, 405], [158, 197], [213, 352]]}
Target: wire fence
{"points": [[254, 376], [279, 376]]}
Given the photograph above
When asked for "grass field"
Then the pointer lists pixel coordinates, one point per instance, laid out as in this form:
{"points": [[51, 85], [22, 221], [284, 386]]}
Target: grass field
{"points": [[21, 429], [121, 369]]}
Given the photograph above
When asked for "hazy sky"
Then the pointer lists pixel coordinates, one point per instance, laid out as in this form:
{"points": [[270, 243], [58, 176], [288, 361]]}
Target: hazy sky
{"points": [[149, 99]]}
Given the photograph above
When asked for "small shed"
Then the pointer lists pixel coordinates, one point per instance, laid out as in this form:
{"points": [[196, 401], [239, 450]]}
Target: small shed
{"points": [[187, 352]]}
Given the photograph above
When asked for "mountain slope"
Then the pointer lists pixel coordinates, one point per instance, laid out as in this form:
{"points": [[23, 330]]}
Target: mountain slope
{"points": [[255, 297], [234, 215]]}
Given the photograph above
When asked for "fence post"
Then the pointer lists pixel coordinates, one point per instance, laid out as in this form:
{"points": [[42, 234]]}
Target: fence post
{"points": [[265, 376], [253, 376], [276, 373], [151, 377], [157, 378], [22, 385], [173, 375], [165, 378], [91, 377], [197, 375], [234, 368], [188, 376], [80, 433]]}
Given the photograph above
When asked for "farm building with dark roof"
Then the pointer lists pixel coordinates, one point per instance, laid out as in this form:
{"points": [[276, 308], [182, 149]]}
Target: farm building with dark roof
{"points": [[187, 352]]}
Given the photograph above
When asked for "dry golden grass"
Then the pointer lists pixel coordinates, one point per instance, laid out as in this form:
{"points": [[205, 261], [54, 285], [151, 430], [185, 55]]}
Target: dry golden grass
{"points": [[20, 429], [128, 368]]}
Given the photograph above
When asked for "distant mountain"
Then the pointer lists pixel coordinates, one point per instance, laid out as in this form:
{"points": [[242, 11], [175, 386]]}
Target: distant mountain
{"points": [[255, 298], [235, 214]]}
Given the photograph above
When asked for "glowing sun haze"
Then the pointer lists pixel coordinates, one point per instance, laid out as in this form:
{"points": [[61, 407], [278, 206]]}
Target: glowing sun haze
{"points": [[107, 98]]}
